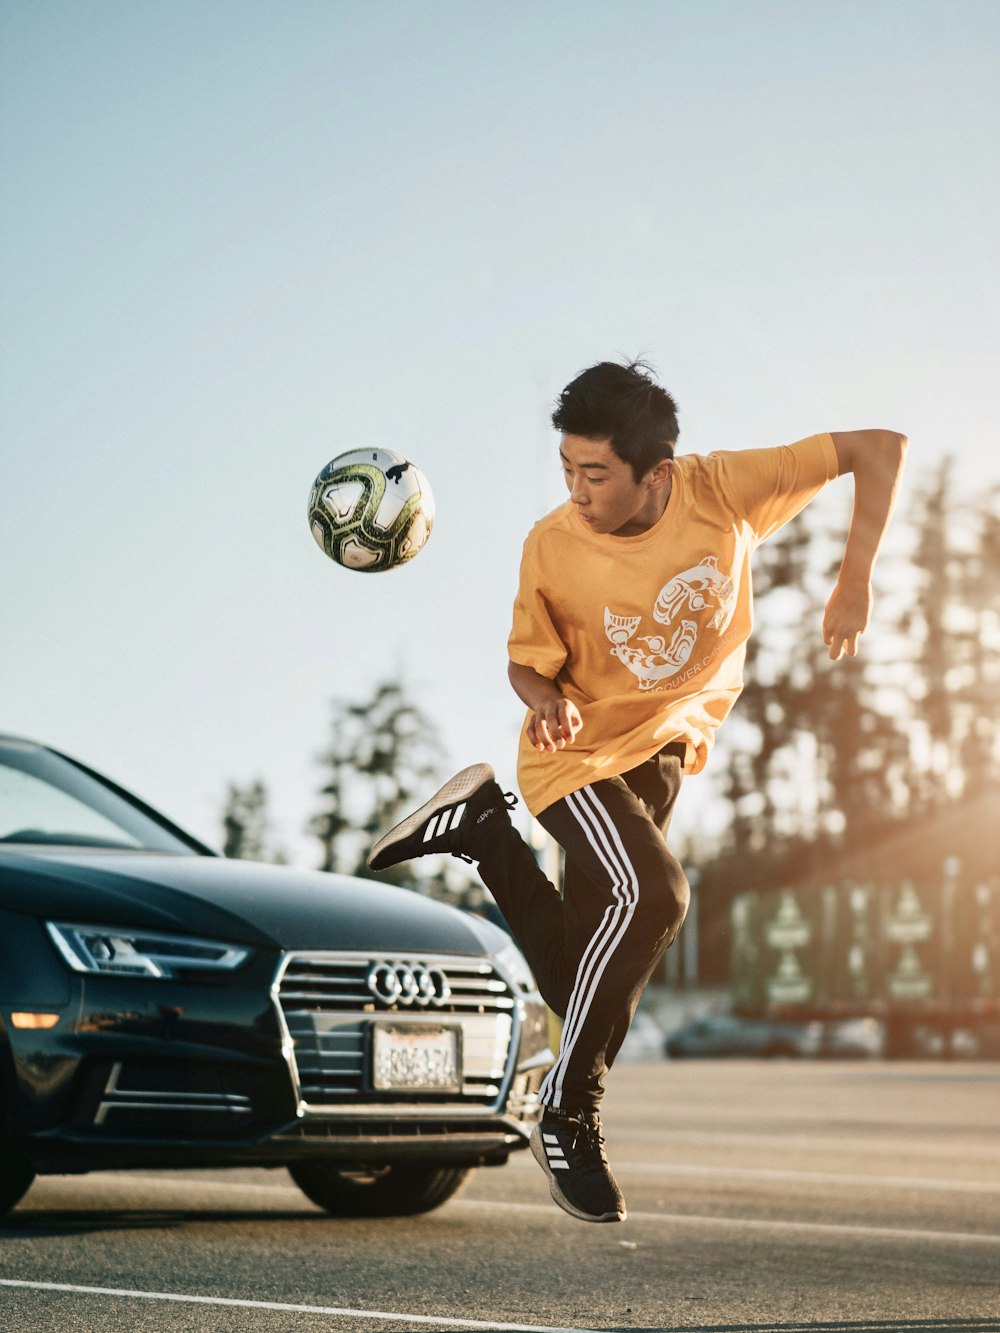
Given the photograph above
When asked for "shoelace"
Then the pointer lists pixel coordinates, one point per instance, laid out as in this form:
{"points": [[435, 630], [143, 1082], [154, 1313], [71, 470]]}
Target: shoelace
{"points": [[592, 1136], [509, 800]]}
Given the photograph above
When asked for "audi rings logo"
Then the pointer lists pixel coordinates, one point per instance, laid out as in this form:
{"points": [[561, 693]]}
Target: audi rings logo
{"points": [[408, 984]]}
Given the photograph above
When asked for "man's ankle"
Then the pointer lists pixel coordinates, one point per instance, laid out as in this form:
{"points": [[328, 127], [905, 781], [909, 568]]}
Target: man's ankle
{"points": [[587, 1114], [492, 826]]}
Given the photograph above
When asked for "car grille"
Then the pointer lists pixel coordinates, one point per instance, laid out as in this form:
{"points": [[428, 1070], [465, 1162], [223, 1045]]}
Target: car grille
{"points": [[330, 1009]]}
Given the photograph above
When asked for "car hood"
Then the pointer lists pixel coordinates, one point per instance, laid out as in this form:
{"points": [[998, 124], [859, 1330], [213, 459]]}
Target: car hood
{"points": [[240, 901]]}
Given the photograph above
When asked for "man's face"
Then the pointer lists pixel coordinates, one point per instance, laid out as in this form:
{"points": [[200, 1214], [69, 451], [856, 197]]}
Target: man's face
{"points": [[606, 494]]}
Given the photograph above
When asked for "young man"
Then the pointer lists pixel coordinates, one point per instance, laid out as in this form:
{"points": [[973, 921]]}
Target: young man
{"points": [[627, 647]]}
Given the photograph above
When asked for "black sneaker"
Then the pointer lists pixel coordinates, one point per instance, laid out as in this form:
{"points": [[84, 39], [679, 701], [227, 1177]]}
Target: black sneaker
{"points": [[570, 1150], [460, 819]]}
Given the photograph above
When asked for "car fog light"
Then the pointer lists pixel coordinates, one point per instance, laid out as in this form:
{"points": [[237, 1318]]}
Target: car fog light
{"points": [[25, 1020]]}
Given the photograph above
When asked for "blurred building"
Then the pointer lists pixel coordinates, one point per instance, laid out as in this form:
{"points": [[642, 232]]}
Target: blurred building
{"points": [[907, 930]]}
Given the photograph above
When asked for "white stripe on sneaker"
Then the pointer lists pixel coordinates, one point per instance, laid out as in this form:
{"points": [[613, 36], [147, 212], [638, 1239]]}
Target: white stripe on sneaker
{"points": [[459, 788]]}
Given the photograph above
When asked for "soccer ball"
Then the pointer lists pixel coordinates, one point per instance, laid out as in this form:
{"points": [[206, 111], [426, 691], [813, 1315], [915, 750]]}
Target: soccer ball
{"points": [[371, 509]]}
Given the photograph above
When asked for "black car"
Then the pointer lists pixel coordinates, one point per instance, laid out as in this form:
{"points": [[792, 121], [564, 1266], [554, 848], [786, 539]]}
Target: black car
{"points": [[161, 1006], [723, 1034]]}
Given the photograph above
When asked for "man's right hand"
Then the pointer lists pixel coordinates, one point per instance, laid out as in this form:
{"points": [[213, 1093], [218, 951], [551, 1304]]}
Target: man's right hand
{"points": [[555, 724], [555, 721]]}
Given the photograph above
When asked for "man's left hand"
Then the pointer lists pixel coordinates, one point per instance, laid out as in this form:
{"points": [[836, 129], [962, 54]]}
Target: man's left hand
{"points": [[847, 615]]}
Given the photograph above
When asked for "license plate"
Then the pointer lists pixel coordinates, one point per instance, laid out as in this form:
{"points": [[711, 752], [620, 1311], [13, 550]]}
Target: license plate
{"points": [[416, 1056]]}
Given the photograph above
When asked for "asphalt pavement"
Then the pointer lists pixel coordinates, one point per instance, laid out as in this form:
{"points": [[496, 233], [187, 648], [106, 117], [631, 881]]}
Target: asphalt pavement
{"points": [[764, 1197]]}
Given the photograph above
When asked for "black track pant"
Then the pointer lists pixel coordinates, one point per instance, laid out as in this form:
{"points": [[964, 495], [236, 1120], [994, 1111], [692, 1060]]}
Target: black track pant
{"points": [[594, 947]]}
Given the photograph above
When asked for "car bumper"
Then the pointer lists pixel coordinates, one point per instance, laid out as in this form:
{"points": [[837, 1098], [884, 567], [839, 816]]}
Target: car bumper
{"points": [[141, 1073]]}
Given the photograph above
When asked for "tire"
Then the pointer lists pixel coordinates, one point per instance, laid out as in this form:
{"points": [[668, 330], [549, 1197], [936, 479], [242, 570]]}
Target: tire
{"points": [[16, 1171], [399, 1190], [16, 1175]]}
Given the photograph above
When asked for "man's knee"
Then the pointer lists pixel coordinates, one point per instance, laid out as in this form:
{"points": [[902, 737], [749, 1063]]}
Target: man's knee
{"points": [[664, 900], [682, 901]]}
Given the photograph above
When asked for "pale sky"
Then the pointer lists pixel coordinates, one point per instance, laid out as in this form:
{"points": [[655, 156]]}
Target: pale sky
{"points": [[240, 238]]}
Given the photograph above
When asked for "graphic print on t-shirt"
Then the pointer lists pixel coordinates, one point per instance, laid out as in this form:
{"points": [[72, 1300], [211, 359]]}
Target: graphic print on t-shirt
{"points": [[701, 588]]}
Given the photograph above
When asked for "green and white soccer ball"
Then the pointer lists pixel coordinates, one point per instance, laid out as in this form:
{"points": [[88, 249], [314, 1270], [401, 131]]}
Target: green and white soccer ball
{"points": [[371, 509]]}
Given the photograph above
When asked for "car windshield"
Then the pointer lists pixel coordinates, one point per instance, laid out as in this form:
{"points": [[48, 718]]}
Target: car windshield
{"points": [[47, 801]]}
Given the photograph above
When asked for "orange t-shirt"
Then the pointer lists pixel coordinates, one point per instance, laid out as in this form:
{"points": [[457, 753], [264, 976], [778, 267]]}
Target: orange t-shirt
{"points": [[647, 634]]}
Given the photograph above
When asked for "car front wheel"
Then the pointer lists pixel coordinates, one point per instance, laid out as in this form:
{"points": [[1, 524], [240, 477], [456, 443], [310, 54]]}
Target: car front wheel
{"points": [[16, 1175], [398, 1190]]}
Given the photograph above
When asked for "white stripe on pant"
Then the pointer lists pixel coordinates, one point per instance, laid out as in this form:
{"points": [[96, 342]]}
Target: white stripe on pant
{"points": [[594, 944], [603, 837]]}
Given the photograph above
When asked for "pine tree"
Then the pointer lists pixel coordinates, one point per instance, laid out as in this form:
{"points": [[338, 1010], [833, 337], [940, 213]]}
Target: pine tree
{"points": [[333, 821], [933, 558], [383, 756], [954, 633], [245, 823], [975, 643], [811, 761]]}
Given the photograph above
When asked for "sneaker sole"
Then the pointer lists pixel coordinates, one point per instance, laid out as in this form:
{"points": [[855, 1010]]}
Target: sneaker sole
{"points": [[459, 788], [538, 1152]]}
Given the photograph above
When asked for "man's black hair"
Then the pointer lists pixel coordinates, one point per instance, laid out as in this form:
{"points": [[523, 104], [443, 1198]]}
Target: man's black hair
{"points": [[622, 404]]}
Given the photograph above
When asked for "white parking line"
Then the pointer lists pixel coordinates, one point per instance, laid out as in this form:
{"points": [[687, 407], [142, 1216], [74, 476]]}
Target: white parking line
{"points": [[760, 1223], [783, 1176], [787, 1177], [960, 1147], [283, 1307]]}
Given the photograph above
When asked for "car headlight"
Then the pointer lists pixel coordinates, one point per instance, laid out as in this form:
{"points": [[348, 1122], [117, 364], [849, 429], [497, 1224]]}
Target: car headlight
{"points": [[512, 961], [141, 953]]}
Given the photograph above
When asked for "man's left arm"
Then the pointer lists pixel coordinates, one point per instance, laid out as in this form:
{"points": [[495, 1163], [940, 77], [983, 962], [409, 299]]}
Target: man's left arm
{"points": [[875, 457]]}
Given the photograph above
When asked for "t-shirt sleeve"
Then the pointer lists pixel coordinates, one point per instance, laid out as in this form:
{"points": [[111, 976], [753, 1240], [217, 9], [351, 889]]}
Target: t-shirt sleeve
{"points": [[534, 641], [768, 487]]}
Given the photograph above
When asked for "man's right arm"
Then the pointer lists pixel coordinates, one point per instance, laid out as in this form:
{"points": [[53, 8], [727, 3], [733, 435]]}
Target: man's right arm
{"points": [[556, 720], [875, 457]]}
